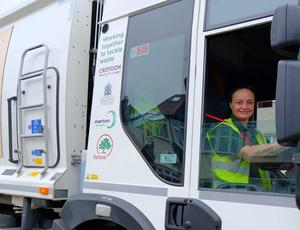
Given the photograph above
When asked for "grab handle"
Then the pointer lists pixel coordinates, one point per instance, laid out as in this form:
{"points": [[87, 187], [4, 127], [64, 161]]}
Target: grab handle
{"points": [[10, 158]]}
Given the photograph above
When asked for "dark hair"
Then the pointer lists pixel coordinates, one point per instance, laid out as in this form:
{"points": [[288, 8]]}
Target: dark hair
{"points": [[233, 90]]}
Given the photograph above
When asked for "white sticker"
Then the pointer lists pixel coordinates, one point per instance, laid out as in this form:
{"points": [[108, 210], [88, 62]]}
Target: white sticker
{"points": [[140, 50], [111, 49], [168, 158]]}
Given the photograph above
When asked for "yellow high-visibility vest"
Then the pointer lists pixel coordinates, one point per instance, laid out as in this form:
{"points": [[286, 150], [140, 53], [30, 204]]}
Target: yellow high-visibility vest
{"points": [[230, 168]]}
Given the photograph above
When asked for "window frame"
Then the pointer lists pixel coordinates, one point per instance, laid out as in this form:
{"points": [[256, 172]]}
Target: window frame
{"points": [[261, 198], [128, 133], [233, 21]]}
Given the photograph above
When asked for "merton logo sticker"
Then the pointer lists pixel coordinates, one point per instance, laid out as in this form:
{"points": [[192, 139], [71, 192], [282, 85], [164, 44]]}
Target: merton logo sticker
{"points": [[104, 147], [109, 120]]}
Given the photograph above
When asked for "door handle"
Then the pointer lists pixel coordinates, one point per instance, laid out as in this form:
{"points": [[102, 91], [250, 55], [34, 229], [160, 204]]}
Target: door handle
{"points": [[192, 214]]}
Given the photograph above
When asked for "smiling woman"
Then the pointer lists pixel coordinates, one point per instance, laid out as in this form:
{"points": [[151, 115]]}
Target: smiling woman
{"points": [[228, 165], [242, 104], [239, 149]]}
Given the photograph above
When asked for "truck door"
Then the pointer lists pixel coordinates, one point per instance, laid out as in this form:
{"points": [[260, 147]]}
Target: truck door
{"points": [[139, 143], [137, 133], [234, 51]]}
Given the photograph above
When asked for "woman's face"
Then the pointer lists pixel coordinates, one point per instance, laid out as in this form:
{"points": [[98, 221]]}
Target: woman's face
{"points": [[242, 104]]}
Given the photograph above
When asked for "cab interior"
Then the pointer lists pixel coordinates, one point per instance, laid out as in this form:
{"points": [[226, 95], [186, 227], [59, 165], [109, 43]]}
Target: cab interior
{"points": [[235, 58], [240, 57]]}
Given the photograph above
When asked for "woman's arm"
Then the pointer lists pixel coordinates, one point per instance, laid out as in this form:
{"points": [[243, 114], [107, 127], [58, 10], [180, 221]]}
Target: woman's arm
{"points": [[256, 152]]}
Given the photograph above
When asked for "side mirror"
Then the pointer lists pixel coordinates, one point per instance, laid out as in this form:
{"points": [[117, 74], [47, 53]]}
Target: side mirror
{"points": [[285, 30], [285, 40], [288, 102]]}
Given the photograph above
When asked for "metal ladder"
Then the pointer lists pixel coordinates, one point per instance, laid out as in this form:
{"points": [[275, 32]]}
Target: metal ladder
{"points": [[20, 108]]}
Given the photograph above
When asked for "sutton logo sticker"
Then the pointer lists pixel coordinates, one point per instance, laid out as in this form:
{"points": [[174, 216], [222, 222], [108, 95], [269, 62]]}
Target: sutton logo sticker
{"points": [[109, 120], [107, 98], [104, 147]]}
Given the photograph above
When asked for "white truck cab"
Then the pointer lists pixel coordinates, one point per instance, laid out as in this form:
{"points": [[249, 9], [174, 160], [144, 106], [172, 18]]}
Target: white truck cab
{"points": [[161, 81]]}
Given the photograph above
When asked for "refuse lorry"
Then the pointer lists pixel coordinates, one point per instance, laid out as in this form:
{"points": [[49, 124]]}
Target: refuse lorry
{"points": [[106, 107]]}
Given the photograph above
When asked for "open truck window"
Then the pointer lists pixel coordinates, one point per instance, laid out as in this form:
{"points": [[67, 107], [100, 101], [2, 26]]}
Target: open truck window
{"points": [[242, 58]]}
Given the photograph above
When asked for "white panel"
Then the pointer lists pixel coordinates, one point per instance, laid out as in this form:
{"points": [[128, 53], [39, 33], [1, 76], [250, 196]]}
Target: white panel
{"points": [[250, 216], [120, 165], [64, 26], [30, 31], [4, 44], [106, 101], [125, 7], [10, 5]]}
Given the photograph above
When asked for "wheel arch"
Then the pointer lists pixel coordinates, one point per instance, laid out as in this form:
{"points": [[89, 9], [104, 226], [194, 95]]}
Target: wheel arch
{"points": [[85, 207]]}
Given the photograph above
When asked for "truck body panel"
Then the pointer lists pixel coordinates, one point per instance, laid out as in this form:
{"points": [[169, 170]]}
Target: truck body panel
{"points": [[67, 35]]}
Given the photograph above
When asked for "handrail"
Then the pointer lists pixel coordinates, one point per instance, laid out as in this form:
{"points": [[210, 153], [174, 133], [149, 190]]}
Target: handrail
{"points": [[10, 143], [19, 112]]}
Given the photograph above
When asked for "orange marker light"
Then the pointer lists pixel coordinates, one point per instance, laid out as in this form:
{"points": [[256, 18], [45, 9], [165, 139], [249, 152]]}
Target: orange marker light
{"points": [[44, 190]]}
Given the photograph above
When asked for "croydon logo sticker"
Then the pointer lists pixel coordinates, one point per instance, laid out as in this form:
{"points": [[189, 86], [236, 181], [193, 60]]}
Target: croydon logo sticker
{"points": [[104, 147], [110, 70], [109, 120]]}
